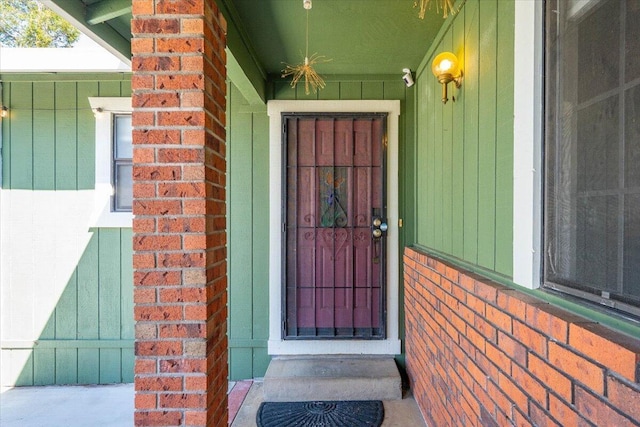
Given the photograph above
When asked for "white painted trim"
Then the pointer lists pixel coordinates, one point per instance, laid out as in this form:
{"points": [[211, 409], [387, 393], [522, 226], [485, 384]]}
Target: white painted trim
{"points": [[102, 216], [276, 345], [58, 60], [527, 145]]}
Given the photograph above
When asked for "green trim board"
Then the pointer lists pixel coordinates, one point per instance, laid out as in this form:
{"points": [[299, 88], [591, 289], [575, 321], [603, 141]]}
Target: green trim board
{"points": [[243, 67], [114, 35], [64, 343], [59, 77]]}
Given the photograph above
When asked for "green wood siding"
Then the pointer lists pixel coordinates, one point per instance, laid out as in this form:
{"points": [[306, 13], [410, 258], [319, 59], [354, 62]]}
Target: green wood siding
{"points": [[67, 294], [248, 231], [248, 204], [465, 184]]}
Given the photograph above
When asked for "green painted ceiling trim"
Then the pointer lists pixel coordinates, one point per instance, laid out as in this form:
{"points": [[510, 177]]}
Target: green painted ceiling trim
{"points": [[621, 325], [107, 9], [56, 77], [243, 67], [74, 12], [253, 91]]}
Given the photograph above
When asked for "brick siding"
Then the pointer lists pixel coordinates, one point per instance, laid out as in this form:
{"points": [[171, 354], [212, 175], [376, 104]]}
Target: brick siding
{"points": [[482, 354], [179, 213]]}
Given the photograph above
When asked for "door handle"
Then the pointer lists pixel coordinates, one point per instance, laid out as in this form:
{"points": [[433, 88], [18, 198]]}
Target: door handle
{"points": [[378, 227]]}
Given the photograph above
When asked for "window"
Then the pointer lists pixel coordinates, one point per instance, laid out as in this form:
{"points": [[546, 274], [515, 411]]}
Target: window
{"points": [[592, 151], [122, 168], [114, 152]]}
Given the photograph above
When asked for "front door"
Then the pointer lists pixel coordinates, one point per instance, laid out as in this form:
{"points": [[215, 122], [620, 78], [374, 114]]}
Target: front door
{"points": [[335, 229]]}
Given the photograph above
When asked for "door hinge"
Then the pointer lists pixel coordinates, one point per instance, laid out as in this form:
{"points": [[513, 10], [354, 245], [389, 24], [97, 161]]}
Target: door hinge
{"points": [[284, 227]]}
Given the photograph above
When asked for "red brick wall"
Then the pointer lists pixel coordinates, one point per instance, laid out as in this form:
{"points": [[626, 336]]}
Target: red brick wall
{"points": [[179, 206], [481, 354]]}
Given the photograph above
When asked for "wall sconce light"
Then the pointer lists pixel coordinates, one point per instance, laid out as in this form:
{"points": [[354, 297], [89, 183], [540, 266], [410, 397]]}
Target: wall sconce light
{"points": [[5, 111], [446, 68]]}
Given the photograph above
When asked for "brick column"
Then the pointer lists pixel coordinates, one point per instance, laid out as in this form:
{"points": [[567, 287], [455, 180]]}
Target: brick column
{"points": [[179, 207]]}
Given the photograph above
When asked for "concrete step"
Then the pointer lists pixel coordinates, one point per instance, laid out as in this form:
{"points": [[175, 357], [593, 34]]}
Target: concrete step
{"points": [[300, 378]]}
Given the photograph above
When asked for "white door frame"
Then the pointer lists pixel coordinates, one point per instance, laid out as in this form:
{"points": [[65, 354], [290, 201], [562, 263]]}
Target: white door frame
{"points": [[277, 345]]}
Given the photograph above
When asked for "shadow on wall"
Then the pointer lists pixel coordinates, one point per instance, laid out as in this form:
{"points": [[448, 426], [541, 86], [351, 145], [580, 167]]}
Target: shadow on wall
{"points": [[67, 293]]}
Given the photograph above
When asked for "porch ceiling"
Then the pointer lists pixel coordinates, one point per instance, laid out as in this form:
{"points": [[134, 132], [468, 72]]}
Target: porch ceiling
{"points": [[360, 36]]}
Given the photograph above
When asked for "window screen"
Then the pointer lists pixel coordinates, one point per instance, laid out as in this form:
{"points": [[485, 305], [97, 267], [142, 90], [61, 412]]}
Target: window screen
{"points": [[592, 150]]}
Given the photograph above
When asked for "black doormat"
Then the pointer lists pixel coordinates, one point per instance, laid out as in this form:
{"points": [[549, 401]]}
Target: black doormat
{"points": [[351, 413]]}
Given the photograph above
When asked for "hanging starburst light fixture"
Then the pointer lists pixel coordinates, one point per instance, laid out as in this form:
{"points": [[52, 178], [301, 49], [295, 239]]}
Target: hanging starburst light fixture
{"points": [[312, 79], [445, 5]]}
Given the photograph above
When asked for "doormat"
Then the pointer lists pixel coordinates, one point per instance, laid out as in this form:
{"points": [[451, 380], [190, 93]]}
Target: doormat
{"points": [[350, 413]]}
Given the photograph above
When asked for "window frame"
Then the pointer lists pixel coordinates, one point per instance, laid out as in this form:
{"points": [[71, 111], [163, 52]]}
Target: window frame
{"points": [[104, 214], [117, 161], [573, 289]]}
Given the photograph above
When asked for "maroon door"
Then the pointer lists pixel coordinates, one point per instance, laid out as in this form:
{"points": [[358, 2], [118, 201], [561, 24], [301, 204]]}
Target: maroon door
{"points": [[334, 236]]}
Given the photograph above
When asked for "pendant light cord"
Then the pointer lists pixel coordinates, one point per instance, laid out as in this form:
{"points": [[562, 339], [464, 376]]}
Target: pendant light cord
{"points": [[306, 53]]}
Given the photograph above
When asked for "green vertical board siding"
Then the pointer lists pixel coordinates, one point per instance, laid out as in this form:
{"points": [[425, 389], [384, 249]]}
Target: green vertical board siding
{"points": [[89, 363], [487, 135], [283, 90], [447, 161], [87, 273], [331, 91], [110, 362], [424, 169], [66, 366], [351, 90], [464, 199], [6, 138], [43, 150], [248, 201], [110, 88], [126, 284], [372, 90], [21, 136], [44, 126], [240, 219], [470, 125], [86, 135], [48, 145], [65, 136], [241, 366], [457, 148], [43, 361], [504, 141], [109, 297], [25, 376], [260, 227]]}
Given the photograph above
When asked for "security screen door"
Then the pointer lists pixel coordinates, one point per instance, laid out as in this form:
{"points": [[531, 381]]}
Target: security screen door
{"points": [[334, 236]]}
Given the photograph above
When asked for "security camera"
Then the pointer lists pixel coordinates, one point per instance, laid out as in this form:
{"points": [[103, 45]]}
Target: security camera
{"points": [[407, 77]]}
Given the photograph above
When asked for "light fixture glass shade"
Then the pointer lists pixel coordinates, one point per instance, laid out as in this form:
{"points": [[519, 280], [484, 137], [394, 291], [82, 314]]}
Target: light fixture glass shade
{"points": [[447, 64]]}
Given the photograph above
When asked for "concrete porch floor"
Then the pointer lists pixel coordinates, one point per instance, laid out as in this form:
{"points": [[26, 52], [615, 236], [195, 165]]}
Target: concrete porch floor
{"points": [[112, 406]]}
